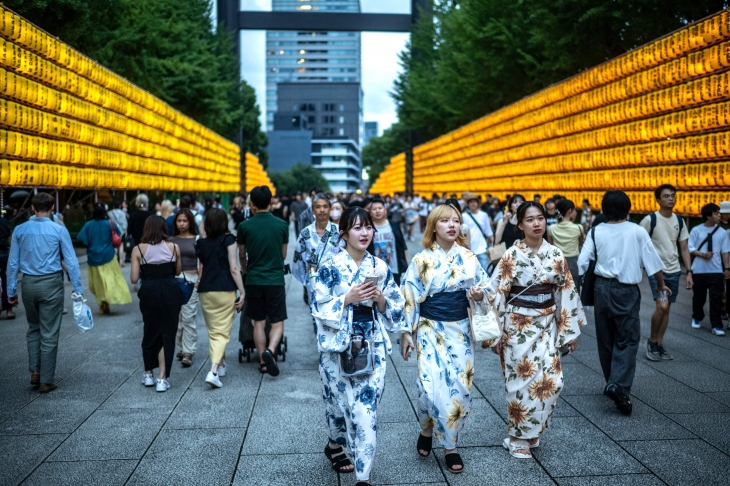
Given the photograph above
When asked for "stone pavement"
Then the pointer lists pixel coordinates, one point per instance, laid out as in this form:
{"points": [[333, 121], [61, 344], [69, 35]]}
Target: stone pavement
{"points": [[102, 426]]}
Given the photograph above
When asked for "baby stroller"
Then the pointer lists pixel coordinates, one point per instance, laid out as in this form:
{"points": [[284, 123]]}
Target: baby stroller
{"points": [[245, 337]]}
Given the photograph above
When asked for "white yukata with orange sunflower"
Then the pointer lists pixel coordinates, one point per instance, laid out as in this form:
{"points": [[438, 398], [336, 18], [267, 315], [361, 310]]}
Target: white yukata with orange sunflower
{"points": [[445, 348], [530, 339]]}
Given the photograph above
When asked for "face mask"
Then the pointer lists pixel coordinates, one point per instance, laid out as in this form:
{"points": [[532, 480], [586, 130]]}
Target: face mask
{"points": [[335, 214]]}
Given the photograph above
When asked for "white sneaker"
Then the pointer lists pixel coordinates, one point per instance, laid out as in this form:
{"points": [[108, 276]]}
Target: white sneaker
{"points": [[162, 385], [696, 324], [148, 380], [718, 331], [213, 379], [222, 370]]}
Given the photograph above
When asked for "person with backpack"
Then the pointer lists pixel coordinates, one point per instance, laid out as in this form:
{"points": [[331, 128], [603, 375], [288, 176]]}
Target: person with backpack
{"points": [[666, 230], [710, 246], [480, 228]]}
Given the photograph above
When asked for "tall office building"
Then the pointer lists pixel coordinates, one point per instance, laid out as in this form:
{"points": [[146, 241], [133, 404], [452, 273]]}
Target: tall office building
{"points": [[310, 57], [371, 131]]}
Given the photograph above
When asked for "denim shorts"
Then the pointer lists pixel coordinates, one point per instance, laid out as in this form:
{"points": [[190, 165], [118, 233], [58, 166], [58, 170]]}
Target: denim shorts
{"points": [[671, 280]]}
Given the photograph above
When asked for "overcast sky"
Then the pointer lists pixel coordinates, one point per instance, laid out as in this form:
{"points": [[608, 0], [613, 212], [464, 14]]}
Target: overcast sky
{"points": [[379, 60]]}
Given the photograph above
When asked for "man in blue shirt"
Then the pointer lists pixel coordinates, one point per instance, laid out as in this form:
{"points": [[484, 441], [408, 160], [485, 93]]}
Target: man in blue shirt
{"points": [[36, 251]]}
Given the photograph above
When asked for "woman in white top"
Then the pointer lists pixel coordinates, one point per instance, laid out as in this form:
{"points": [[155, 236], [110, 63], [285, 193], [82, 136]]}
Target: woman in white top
{"points": [[157, 261]]}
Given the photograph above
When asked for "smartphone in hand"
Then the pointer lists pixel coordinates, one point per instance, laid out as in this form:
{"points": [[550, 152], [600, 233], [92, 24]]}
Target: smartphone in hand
{"points": [[373, 279]]}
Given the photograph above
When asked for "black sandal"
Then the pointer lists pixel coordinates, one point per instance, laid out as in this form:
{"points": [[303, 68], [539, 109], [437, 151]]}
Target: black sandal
{"points": [[424, 444], [338, 464], [270, 360], [454, 459], [262, 368]]}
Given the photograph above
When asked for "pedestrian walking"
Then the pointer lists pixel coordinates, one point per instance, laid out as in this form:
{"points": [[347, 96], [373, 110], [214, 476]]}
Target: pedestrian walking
{"points": [[156, 261], [307, 216], [119, 216], [480, 228], [5, 234], [552, 216], [411, 216], [279, 210], [263, 240], [710, 246], [316, 243], [106, 281], [297, 208], [355, 303], [137, 219], [388, 243], [567, 236], [667, 231], [338, 207], [533, 291], [185, 237], [507, 231], [220, 278], [439, 281], [36, 251], [725, 225], [620, 249]]}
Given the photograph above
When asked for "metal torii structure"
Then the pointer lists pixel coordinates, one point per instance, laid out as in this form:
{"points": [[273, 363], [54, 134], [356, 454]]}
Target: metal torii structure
{"points": [[234, 19]]}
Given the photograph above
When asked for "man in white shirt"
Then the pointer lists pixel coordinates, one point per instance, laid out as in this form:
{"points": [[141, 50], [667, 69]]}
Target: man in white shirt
{"points": [[666, 231], [710, 246], [480, 228], [623, 248]]}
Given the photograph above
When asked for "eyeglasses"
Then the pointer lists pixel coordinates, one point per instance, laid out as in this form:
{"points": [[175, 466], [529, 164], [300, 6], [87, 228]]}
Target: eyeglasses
{"points": [[669, 196]]}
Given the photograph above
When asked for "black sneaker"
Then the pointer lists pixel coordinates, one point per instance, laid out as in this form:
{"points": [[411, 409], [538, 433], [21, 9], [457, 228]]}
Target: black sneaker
{"points": [[663, 354], [652, 351]]}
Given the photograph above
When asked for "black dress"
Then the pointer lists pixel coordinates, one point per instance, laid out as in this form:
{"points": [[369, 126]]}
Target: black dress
{"points": [[510, 234], [160, 300]]}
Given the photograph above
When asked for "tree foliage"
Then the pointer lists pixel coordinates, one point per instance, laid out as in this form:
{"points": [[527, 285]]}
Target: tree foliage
{"points": [[377, 154], [167, 47], [471, 57], [300, 178]]}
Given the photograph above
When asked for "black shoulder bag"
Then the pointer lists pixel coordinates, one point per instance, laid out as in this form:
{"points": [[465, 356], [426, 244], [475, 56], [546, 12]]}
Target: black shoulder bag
{"points": [[588, 283]]}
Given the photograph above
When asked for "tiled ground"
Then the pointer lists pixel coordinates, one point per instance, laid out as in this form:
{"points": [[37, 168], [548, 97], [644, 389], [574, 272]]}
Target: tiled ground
{"points": [[103, 427]]}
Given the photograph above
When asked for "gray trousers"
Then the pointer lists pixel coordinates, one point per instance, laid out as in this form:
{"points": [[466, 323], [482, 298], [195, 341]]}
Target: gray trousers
{"points": [[43, 298], [618, 330]]}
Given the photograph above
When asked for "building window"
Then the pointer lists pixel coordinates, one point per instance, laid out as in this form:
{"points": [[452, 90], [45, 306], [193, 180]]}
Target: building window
{"points": [[312, 119], [295, 107], [342, 107], [342, 120], [342, 132]]}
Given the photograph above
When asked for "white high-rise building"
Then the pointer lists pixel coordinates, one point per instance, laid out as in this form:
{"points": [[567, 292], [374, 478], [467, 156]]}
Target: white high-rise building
{"points": [[310, 56]]}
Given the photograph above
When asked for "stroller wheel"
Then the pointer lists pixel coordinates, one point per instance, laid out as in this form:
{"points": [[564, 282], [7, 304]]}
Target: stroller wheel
{"points": [[286, 344], [240, 355], [247, 352]]}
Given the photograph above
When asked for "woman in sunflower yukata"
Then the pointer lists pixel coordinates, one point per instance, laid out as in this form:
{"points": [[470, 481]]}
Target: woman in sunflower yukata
{"points": [[437, 286], [348, 306], [532, 289]]}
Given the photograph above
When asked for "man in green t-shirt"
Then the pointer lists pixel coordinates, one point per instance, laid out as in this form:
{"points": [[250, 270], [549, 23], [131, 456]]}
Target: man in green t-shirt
{"points": [[262, 241]]}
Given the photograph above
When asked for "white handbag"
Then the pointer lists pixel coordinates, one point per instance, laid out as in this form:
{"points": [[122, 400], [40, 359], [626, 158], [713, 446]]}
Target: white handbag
{"points": [[485, 325]]}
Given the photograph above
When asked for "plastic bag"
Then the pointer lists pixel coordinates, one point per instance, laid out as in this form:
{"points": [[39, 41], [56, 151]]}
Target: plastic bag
{"points": [[82, 313]]}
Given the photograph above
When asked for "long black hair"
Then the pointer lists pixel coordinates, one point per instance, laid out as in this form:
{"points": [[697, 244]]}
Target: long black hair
{"points": [[353, 215]]}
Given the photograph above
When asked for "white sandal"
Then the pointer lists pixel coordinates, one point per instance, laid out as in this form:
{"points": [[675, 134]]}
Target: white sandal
{"points": [[517, 445]]}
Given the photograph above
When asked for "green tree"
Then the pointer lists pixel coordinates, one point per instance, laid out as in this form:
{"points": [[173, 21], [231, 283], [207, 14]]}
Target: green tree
{"points": [[300, 178], [377, 154]]}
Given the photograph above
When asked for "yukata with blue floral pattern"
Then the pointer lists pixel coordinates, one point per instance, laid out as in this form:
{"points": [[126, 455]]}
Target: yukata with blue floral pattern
{"points": [[312, 249], [445, 348], [351, 403]]}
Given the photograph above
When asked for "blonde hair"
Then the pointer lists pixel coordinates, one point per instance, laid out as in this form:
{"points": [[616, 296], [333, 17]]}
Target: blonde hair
{"points": [[166, 208], [440, 211]]}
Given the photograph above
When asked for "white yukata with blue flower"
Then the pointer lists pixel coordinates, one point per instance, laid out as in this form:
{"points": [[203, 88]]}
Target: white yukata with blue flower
{"points": [[445, 348], [352, 402]]}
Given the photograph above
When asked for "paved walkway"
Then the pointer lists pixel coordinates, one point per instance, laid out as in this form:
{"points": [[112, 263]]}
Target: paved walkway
{"points": [[101, 426]]}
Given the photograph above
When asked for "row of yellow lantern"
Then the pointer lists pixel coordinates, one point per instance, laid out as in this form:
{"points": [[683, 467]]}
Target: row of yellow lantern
{"points": [[699, 148], [21, 32], [688, 176], [393, 177], [15, 116], [693, 37], [510, 149], [256, 175], [28, 147], [48, 99], [595, 109], [22, 173]]}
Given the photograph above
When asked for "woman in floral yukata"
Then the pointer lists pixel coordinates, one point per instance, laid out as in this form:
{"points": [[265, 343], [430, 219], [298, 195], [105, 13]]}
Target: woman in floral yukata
{"points": [[354, 302], [437, 286], [533, 291]]}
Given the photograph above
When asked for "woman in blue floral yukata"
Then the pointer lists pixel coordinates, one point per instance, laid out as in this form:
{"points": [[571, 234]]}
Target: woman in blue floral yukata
{"points": [[354, 302], [437, 286]]}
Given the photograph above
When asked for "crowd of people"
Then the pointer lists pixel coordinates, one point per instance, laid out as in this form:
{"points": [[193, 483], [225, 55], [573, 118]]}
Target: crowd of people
{"points": [[519, 257]]}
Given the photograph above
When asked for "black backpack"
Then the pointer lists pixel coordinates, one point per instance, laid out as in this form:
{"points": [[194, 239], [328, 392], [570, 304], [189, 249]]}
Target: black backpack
{"points": [[652, 219]]}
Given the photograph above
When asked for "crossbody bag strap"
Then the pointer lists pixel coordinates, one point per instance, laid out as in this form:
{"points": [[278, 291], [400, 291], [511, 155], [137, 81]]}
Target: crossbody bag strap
{"points": [[537, 279], [708, 240], [478, 226]]}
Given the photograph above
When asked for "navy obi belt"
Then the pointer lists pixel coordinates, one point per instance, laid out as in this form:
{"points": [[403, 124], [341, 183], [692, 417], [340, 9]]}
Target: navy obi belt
{"points": [[445, 306], [362, 313]]}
